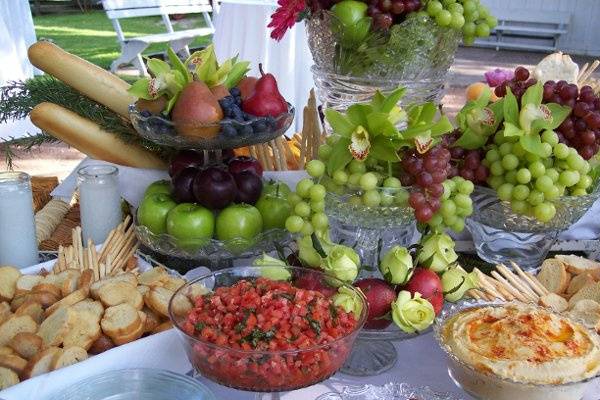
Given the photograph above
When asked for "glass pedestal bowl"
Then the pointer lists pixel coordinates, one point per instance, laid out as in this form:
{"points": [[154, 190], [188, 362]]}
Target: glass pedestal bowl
{"points": [[501, 236], [226, 134], [370, 231], [265, 372], [416, 54]]}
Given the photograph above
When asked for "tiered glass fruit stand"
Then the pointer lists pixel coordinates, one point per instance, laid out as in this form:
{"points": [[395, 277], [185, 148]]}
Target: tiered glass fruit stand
{"points": [[212, 139]]}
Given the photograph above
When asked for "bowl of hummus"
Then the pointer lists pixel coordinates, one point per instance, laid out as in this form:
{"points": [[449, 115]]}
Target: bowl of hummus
{"points": [[508, 351]]}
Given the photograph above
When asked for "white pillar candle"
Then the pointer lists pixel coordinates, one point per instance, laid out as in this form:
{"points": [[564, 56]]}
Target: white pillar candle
{"points": [[18, 244], [99, 200]]}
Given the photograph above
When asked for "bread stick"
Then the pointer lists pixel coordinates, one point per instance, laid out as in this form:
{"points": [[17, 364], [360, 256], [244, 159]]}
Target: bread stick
{"points": [[89, 138], [83, 76]]}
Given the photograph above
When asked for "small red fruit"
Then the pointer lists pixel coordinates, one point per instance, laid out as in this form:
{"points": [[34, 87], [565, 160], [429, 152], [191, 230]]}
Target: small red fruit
{"points": [[314, 281], [380, 296], [429, 285]]}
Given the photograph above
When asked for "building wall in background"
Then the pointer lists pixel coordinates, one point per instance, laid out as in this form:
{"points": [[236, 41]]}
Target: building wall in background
{"points": [[584, 31]]}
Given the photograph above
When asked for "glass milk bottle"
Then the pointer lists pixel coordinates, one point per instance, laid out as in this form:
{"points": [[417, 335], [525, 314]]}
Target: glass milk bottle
{"points": [[99, 201], [18, 243]]}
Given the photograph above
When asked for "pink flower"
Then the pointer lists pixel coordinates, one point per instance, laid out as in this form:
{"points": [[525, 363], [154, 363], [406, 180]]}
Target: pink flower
{"points": [[287, 14], [498, 76]]}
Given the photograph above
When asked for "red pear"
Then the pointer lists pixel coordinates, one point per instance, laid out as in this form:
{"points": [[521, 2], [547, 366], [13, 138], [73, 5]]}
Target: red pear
{"points": [[247, 86], [266, 101]]}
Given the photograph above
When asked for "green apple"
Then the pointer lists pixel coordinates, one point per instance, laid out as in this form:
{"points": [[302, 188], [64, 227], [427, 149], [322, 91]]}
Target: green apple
{"points": [[276, 188], [239, 221], [274, 211], [153, 210], [162, 186], [191, 224]]}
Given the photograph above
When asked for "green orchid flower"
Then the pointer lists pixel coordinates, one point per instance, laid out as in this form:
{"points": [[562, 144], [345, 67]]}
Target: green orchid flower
{"points": [[478, 120], [207, 69], [423, 127], [532, 118]]}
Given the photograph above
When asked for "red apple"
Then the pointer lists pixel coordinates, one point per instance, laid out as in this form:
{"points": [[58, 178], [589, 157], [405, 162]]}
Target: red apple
{"points": [[183, 185], [185, 159], [243, 163], [249, 187], [214, 188], [380, 296], [429, 285]]}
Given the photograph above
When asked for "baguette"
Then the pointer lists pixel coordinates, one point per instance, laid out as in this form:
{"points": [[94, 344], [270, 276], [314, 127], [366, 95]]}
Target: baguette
{"points": [[83, 76], [14, 325], [5, 311], [579, 265], [8, 282], [127, 277], [26, 282], [89, 138], [54, 328], [84, 329], [121, 320], [152, 320], [8, 378], [26, 344], [6, 350], [115, 293], [163, 327], [47, 287], [554, 302], [68, 356], [88, 306], [33, 309], [579, 281], [14, 363], [153, 277], [553, 276], [73, 298], [41, 363], [102, 344]]}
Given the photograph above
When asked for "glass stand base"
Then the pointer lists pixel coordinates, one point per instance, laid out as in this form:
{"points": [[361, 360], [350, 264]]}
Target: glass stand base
{"points": [[268, 396], [370, 358]]}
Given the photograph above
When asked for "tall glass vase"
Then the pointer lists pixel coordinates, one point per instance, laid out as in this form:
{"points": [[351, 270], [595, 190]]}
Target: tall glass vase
{"points": [[416, 54]]}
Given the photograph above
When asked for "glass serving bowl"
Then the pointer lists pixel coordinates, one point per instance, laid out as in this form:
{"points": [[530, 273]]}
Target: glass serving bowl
{"points": [[500, 235], [485, 386], [138, 383], [213, 251], [393, 390], [226, 134], [265, 371], [370, 231]]}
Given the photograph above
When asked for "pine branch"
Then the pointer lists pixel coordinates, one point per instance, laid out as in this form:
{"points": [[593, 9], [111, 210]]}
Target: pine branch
{"points": [[26, 143]]}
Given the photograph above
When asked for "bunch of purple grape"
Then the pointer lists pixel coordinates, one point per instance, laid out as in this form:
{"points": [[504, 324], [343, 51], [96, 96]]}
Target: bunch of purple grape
{"points": [[581, 130], [465, 163], [426, 172], [518, 85], [385, 13]]}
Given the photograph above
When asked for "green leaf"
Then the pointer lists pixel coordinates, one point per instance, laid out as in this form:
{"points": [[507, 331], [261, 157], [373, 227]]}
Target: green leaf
{"points": [[237, 73], [512, 130], [511, 108], [171, 104], [413, 132], [340, 156], [533, 95], [383, 148], [428, 112], [414, 113], [470, 140], [532, 144], [484, 98], [377, 101], [498, 110], [379, 124], [339, 123], [140, 89], [357, 114], [442, 126], [158, 67], [559, 114], [392, 100], [178, 65]]}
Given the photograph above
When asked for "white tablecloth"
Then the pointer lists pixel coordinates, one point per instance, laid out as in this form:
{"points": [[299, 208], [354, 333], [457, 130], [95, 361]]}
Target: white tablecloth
{"points": [[242, 29]]}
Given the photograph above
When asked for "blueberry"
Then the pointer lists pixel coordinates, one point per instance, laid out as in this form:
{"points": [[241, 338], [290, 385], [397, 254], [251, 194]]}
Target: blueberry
{"points": [[226, 101], [248, 117], [259, 126], [145, 113], [235, 92], [228, 130], [238, 100], [238, 115], [245, 130], [271, 123]]}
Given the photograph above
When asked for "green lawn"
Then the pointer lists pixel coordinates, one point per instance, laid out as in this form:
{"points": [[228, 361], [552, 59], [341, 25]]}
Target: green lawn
{"points": [[92, 37]]}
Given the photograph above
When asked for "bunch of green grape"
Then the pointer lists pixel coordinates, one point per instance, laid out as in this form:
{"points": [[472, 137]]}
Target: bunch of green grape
{"points": [[308, 203], [469, 16], [455, 205], [531, 183]]}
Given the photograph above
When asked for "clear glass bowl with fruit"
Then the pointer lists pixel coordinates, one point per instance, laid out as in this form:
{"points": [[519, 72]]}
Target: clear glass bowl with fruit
{"points": [[199, 103], [275, 344], [500, 235], [213, 210], [225, 134]]}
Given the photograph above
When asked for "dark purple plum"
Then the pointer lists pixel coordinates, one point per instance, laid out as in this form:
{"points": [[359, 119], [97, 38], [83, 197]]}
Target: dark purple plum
{"points": [[183, 185], [243, 163], [249, 187], [214, 188], [185, 159]]}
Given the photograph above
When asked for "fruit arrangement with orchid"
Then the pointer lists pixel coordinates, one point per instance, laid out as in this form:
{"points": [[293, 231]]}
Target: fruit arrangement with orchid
{"points": [[534, 139], [204, 98], [416, 282], [372, 32]]}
